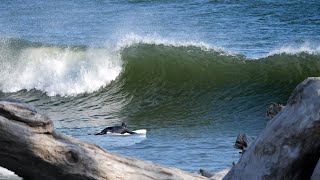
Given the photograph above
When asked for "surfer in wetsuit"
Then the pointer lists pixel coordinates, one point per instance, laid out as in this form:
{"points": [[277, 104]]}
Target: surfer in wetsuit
{"points": [[116, 129]]}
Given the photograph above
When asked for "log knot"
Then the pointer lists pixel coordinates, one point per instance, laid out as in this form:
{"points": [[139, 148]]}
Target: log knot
{"points": [[72, 157]]}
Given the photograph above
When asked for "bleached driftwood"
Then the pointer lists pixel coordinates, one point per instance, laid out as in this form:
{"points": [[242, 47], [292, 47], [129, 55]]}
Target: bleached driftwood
{"points": [[31, 148], [289, 147]]}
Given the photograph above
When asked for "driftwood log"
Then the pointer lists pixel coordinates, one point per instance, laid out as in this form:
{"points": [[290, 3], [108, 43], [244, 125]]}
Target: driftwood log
{"points": [[289, 147], [30, 147]]}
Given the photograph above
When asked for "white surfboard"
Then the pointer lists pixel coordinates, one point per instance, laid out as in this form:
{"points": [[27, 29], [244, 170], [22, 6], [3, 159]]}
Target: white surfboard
{"points": [[115, 139], [140, 131]]}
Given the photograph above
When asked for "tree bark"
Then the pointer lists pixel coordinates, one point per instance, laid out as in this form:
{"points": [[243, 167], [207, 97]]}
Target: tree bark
{"points": [[289, 147], [30, 147]]}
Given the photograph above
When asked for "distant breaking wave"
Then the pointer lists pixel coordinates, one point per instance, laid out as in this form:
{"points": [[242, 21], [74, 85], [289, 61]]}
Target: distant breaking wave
{"points": [[56, 70], [145, 65]]}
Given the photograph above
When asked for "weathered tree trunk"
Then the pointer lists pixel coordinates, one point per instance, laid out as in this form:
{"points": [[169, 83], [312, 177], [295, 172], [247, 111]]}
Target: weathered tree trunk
{"points": [[31, 148], [289, 147]]}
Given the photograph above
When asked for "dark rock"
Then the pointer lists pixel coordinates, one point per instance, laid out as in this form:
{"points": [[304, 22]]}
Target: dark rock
{"points": [[273, 110], [206, 173], [243, 142]]}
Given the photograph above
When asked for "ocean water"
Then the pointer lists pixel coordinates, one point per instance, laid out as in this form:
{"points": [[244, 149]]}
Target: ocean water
{"points": [[193, 73]]}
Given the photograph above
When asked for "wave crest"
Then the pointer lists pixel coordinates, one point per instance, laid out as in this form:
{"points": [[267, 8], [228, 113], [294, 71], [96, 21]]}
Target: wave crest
{"points": [[293, 49], [56, 70]]}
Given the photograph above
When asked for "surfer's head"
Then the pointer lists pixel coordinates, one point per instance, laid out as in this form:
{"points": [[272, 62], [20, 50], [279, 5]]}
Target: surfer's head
{"points": [[124, 124]]}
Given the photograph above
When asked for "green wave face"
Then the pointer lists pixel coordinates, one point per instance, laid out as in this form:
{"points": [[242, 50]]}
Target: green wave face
{"points": [[195, 83], [183, 69]]}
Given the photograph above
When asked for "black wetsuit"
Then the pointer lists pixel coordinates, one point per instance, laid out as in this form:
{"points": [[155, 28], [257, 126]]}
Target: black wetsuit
{"points": [[116, 129]]}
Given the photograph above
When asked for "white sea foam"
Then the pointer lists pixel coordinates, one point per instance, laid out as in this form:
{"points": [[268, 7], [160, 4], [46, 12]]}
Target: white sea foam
{"points": [[296, 49], [8, 175], [59, 71]]}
